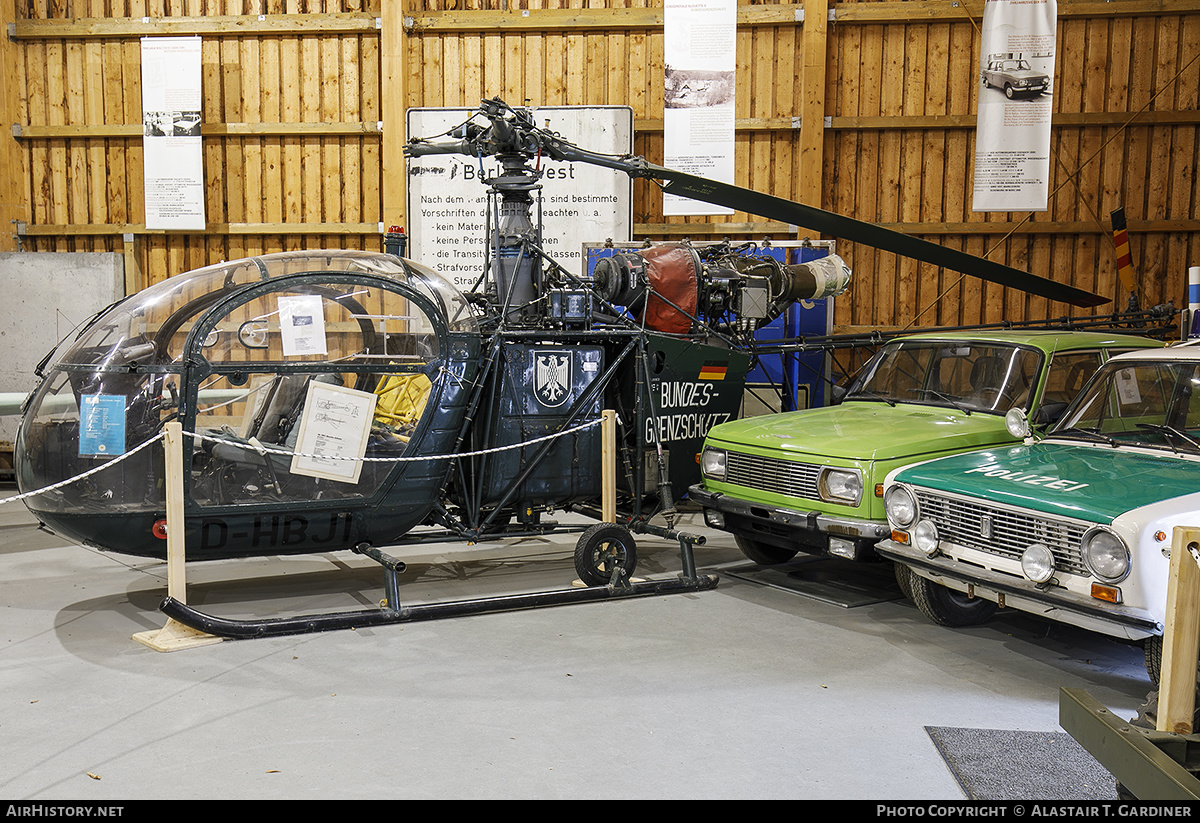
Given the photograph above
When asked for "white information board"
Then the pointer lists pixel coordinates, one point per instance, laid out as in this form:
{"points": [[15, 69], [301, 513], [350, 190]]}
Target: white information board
{"points": [[333, 434], [700, 41], [580, 203], [171, 151], [1012, 136]]}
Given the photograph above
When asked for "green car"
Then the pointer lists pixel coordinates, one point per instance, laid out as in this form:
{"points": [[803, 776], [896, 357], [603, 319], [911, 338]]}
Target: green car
{"points": [[812, 481]]}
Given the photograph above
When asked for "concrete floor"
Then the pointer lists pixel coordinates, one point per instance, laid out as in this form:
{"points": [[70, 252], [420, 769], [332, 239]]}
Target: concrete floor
{"points": [[744, 691]]}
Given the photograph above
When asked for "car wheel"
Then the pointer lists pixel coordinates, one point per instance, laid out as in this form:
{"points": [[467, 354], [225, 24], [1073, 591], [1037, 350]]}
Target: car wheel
{"points": [[948, 607], [764, 554], [903, 579], [1153, 649], [1008, 91]]}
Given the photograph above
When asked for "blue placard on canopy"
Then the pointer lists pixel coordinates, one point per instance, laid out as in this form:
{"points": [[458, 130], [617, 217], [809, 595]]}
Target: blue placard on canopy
{"points": [[101, 424]]}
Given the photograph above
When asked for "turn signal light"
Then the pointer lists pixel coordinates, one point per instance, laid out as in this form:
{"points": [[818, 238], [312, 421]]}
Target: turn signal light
{"points": [[1110, 594], [900, 537]]}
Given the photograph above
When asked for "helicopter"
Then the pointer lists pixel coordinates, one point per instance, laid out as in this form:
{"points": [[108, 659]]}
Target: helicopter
{"points": [[350, 400]]}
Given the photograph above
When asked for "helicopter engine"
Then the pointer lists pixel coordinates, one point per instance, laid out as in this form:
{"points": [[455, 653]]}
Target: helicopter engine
{"points": [[668, 285]]}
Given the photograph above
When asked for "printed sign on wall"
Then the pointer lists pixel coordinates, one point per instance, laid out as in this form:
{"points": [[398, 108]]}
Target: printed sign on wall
{"points": [[700, 45], [1016, 79], [581, 203], [173, 162]]}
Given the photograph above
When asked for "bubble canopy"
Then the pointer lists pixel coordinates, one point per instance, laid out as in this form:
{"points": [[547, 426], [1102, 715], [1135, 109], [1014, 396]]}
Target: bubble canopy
{"points": [[234, 352], [131, 320]]}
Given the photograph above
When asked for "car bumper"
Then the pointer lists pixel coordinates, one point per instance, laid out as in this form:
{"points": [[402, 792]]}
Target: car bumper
{"points": [[757, 519], [1066, 607]]}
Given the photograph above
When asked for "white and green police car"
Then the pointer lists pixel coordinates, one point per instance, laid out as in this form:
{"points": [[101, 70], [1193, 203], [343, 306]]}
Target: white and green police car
{"points": [[1076, 527]]}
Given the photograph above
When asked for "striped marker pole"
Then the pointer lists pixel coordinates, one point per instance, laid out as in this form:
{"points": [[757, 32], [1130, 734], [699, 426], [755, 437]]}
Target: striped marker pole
{"points": [[1124, 258]]}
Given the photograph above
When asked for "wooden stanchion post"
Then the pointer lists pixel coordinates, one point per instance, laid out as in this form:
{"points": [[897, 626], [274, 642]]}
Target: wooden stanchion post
{"points": [[608, 470], [175, 635], [1181, 636]]}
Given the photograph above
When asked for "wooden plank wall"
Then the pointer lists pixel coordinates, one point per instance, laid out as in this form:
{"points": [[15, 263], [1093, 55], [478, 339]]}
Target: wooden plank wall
{"points": [[291, 138], [294, 92]]}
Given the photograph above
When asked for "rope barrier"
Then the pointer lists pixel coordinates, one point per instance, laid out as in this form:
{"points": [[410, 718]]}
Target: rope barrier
{"points": [[262, 448]]}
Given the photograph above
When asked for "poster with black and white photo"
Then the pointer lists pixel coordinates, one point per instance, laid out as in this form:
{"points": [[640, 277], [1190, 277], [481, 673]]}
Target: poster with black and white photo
{"points": [[700, 45], [1016, 79], [173, 162]]}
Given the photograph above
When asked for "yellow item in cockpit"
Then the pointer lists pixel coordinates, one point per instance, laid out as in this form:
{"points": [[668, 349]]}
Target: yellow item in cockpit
{"points": [[401, 399]]}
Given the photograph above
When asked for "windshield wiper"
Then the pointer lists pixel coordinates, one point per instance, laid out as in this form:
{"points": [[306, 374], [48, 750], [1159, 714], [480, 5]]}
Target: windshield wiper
{"points": [[1093, 434], [952, 401], [1170, 430], [869, 393]]}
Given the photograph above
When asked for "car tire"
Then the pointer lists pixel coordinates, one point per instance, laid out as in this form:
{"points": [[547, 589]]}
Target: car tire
{"points": [[904, 578], [764, 554], [1008, 91], [948, 607], [1152, 650], [1152, 647]]}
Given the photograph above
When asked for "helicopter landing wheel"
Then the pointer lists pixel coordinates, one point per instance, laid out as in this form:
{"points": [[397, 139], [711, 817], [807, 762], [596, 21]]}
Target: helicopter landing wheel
{"points": [[603, 549]]}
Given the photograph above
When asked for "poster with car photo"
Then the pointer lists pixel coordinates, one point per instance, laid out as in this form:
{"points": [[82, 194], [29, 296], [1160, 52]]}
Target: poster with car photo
{"points": [[1016, 73]]}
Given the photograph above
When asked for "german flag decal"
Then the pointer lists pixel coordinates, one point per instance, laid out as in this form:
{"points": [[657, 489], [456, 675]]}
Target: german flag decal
{"points": [[713, 370]]}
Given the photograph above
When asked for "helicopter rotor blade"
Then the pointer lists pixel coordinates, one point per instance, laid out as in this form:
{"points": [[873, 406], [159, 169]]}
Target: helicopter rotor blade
{"points": [[869, 234]]}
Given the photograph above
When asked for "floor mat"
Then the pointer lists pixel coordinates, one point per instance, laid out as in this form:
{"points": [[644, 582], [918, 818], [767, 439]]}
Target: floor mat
{"points": [[841, 582], [992, 764]]}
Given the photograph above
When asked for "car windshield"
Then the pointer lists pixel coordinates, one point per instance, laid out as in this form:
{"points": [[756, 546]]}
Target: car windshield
{"points": [[970, 376], [1147, 404]]}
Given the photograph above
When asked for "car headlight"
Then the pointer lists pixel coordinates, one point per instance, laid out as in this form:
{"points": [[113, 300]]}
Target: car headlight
{"points": [[1106, 555], [900, 505], [841, 486], [1017, 423], [1037, 563], [925, 537], [712, 463]]}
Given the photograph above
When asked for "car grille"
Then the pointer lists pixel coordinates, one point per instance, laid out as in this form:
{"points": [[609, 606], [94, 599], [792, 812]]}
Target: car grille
{"points": [[772, 475], [967, 522]]}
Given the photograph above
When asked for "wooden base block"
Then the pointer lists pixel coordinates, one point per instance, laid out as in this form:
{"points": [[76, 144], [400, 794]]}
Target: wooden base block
{"points": [[175, 636]]}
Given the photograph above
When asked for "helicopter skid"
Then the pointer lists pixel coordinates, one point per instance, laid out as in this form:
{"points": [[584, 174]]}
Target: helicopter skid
{"points": [[307, 624]]}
